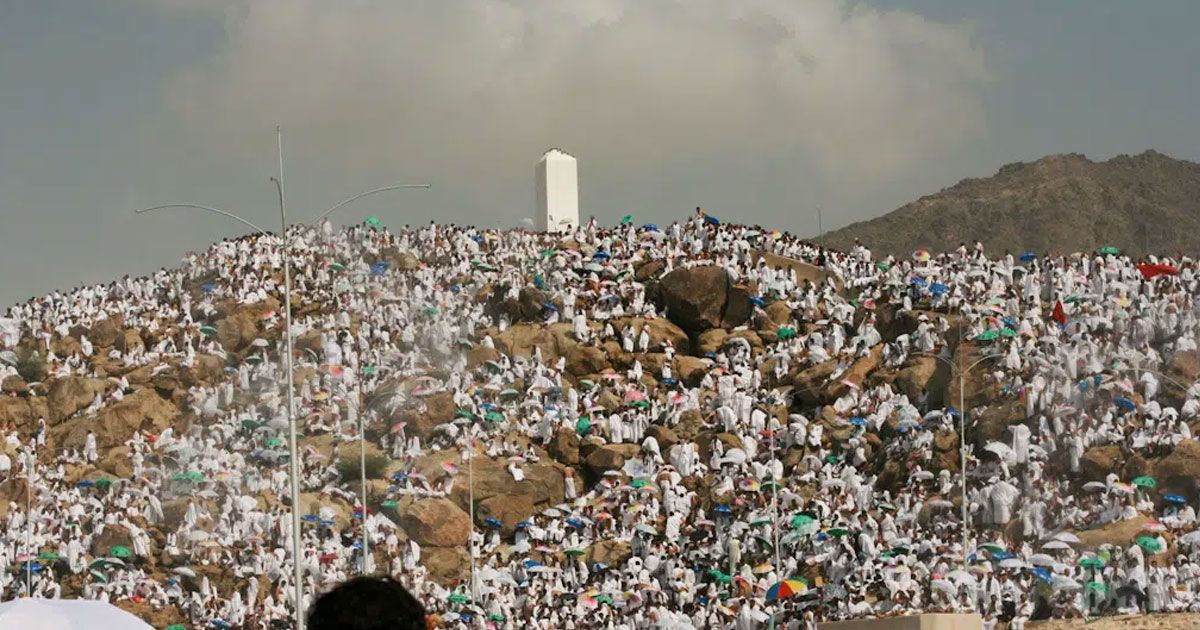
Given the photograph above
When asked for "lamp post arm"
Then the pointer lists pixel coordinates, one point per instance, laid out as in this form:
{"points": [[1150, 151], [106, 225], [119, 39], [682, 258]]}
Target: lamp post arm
{"points": [[206, 208]]}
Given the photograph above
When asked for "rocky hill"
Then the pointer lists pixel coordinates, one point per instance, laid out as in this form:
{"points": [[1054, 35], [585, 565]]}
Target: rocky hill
{"points": [[1058, 204]]}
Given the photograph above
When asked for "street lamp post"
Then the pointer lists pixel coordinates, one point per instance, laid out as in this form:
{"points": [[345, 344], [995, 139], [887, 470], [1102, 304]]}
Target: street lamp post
{"points": [[962, 434], [285, 247]]}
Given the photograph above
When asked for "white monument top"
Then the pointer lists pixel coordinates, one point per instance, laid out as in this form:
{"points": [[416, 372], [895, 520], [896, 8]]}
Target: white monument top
{"points": [[556, 181]]}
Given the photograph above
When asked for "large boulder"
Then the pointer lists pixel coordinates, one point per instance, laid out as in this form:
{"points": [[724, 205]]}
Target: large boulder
{"points": [[236, 331], [917, 376], [446, 565], [610, 457], [543, 482], [711, 340], [690, 370], [112, 535], [106, 332], [857, 374], [70, 394], [1098, 461], [665, 437], [700, 298], [436, 523], [1179, 472], [564, 446], [661, 330], [509, 509], [14, 385], [143, 410], [649, 270], [804, 271], [582, 360], [808, 384], [610, 552]]}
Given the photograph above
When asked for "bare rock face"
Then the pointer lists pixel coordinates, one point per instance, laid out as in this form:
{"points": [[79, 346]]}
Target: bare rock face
{"points": [[1098, 461], [436, 523], [446, 565], [610, 457], [543, 482], [609, 552], [14, 385], [113, 535], [700, 298], [1179, 472], [509, 509], [661, 330], [106, 332], [917, 376], [69, 395], [143, 410], [564, 447], [236, 331]]}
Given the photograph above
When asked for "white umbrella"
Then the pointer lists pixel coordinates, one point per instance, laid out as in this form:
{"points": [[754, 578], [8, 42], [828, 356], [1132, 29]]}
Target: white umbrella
{"points": [[1041, 560], [184, 571], [958, 575], [1095, 486], [1067, 537], [66, 614], [945, 586], [1056, 545], [1064, 583], [1012, 563]]}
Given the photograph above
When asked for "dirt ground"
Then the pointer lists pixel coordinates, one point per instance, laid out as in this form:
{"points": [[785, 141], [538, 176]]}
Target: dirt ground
{"points": [[1186, 621]]}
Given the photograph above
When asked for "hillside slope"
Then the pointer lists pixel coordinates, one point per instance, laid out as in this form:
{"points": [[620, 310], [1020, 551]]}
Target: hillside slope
{"points": [[1058, 204]]}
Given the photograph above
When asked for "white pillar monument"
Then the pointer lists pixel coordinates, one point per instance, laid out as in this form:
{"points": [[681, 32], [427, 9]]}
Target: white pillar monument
{"points": [[557, 183]]}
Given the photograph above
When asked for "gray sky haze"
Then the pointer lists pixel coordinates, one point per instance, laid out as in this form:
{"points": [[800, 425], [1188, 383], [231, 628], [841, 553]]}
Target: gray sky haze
{"points": [[757, 109]]}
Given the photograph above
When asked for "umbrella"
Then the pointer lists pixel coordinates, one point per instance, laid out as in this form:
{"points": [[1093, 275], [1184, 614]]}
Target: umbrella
{"points": [[1150, 544], [988, 335], [785, 332], [492, 522], [1095, 486], [785, 589], [208, 331], [583, 425], [757, 301], [1056, 545], [373, 221], [921, 255], [1109, 250], [1175, 498], [945, 586], [67, 614], [627, 219], [1144, 482], [120, 551], [574, 552], [1092, 562], [1124, 403], [1028, 257], [1064, 583], [1096, 586], [1067, 537], [1041, 560], [184, 571]]}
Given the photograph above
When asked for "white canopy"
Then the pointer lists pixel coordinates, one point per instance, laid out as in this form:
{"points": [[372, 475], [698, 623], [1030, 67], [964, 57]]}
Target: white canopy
{"points": [[66, 614]]}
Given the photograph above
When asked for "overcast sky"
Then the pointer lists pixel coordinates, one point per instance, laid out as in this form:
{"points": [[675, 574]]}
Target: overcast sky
{"points": [[755, 109]]}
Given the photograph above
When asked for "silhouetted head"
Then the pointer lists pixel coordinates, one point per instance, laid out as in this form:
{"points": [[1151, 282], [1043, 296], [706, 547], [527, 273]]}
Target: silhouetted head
{"points": [[367, 603]]}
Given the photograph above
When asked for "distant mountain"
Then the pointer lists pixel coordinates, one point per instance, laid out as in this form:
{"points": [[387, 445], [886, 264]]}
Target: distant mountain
{"points": [[1058, 204]]}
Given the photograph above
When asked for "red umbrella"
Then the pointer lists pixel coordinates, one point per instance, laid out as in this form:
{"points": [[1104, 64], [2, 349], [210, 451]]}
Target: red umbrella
{"points": [[1150, 270]]}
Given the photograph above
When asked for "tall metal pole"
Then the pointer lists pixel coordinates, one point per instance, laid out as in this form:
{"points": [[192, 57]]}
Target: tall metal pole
{"points": [[775, 510], [820, 223], [362, 466], [297, 546], [32, 463]]}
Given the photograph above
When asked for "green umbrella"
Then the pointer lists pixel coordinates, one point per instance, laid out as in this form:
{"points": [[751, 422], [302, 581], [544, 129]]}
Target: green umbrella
{"points": [[723, 578], [1144, 482], [583, 425], [208, 331], [251, 424], [273, 442], [1073, 299], [369, 369], [465, 413], [510, 393], [458, 598], [373, 221], [1096, 586], [769, 485], [495, 617], [194, 477], [120, 551], [176, 626], [390, 504], [337, 266], [641, 404], [883, 266], [431, 310], [104, 481], [47, 555], [604, 599], [987, 335], [98, 576], [1091, 561], [760, 522], [574, 552], [1150, 543], [1109, 249], [627, 219], [786, 332], [838, 531], [639, 483], [546, 253], [800, 520], [1008, 332], [493, 416], [832, 459]]}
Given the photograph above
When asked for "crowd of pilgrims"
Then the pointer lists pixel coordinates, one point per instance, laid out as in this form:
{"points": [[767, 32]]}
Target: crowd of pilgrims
{"points": [[1081, 342]]}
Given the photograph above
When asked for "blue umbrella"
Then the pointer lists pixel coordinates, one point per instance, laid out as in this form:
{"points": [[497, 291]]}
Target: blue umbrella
{"points": [[670, 382], [85, 484], [1042, 573], [723, 509], [326, 523], [938, 288], [598, 566], [710, 355], [550, 306], [858, 421], [357, 545], [522, 524], [600, 253], [1001, 555], [650, 227], [918, 281], [492, 522], [379, 268], [711, 220], [529, 564], [576, 523], [757, 301], [1028, 257], [399, 475], [1175, 498], [310, 518], [1124, 403]]}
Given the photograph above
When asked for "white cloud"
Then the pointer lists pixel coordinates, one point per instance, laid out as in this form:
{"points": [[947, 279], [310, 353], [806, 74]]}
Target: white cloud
{"points": [[470, 84]]}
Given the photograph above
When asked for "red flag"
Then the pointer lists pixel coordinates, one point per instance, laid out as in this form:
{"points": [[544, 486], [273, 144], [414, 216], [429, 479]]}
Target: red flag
{"points": [[1059, 315], [1150, 271]]}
